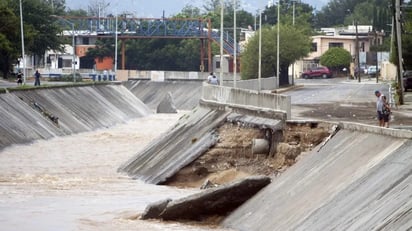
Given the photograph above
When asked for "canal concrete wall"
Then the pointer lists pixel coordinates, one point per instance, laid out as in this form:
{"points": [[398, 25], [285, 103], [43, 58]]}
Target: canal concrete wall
{"points": [[43, 113], [359, 180], [185, 94]]}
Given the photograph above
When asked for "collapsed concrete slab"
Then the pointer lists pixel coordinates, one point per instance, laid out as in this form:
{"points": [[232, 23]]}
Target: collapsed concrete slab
{"points": [[213, 201], [167, 105], [187, 140]]}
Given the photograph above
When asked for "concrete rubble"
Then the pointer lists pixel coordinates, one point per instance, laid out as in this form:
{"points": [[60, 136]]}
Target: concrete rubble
{"points": [[212, 201], [167, 105]]}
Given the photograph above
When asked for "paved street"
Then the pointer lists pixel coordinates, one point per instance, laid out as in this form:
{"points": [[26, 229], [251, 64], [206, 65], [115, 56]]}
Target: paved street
{"points": [[340, 99]]}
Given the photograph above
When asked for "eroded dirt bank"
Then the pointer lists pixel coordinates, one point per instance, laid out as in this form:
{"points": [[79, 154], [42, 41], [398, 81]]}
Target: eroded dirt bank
{"points": [[232, 157]]}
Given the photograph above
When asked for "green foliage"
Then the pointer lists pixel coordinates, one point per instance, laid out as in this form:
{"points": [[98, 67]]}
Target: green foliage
{"points": [[104, 48], [67, 78], [336, 58], [407, 38], [77, 13], [183, 55], [40, 31], [344, 12], [40, 34], [163, 54], [294, 44], [303, 14], [8, 37]]}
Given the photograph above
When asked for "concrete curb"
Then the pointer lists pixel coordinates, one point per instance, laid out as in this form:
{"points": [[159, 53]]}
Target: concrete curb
{"points": [[287, 88], [403, 134]]}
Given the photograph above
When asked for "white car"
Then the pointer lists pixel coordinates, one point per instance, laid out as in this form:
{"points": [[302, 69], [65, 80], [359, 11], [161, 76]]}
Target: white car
{"points": [[372, 71]]}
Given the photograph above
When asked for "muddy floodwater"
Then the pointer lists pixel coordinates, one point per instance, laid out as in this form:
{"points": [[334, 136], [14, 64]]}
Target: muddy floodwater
{"points": [[72, 183]]}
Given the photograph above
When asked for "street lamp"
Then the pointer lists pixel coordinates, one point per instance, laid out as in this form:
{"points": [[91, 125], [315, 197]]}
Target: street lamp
{"points": [[293, 23], [357, 64], [115, 46], [103, 9], [260, 53], [357, 51], [74, 48], [221, 42], [277, 48], [234, 45], [22, 43]]}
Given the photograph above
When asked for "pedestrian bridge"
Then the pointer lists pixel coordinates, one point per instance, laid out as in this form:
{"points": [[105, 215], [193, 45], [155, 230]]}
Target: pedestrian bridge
{"points": [[139, 28]]}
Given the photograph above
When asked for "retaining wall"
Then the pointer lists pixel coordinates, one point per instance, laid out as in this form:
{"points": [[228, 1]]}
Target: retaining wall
{"points": [[31, 114], [242, 97]]}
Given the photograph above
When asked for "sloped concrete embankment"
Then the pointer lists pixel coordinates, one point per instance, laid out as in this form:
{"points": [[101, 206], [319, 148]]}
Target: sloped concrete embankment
{"points": [[187, 140], [359, 180], [29, 115], [195, 133], [185, 94]]}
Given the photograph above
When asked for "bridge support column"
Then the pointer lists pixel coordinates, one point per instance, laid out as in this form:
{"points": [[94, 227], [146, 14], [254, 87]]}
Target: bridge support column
{"points": [[202, 55], [123, 54], [209, 46]]}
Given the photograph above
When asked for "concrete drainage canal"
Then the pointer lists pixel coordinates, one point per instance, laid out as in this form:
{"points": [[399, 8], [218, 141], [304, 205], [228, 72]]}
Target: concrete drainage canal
{"points": [[245, 159]]}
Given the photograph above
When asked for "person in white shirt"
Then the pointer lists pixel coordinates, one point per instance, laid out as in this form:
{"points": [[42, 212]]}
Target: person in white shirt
{"points": [[212, 79], [382, 108]]}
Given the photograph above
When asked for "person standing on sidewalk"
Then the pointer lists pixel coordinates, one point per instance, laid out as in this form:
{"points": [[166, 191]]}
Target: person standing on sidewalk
{"points": [[19, 78], [37, 78], [383, 110]]}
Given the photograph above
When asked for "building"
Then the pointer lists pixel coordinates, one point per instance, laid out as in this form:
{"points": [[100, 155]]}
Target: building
{"points": [[345, 38]]}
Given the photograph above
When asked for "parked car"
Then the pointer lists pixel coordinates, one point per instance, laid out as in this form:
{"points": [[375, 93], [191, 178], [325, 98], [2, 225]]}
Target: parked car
{"points": [[372, 71], [323, 72], [407, 80]]}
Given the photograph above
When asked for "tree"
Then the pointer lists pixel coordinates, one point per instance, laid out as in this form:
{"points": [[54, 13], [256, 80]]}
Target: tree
{"points": [[336, 58], [8, 35], [40, 31], [162, 54], [294, 44], [303, 14], [407, 37], [57, 6], [341, 12], [189, 11], [104, 48]]}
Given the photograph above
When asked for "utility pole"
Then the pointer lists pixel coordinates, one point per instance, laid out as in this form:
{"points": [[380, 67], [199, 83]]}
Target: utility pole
{"points": [[397, 20], [23, 58], [234, 45], [293, 23], [376, 54], [277, 48], [260, 53], [221, 41], [357, 52]]}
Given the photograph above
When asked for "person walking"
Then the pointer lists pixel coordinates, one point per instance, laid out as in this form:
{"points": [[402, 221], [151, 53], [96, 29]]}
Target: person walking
{"points": [[19, 78], [37, 78], [212, 79], [383, 109], [209, 78]]}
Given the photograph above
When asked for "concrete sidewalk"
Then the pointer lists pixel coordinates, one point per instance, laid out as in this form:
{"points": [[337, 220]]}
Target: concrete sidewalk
{"points": [[406, 108]]}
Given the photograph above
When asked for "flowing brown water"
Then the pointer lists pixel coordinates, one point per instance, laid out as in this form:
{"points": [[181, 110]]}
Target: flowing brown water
{"points": [[71, 183]]}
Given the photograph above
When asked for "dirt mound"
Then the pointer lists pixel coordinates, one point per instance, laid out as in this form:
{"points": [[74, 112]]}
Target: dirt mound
{"points": [[232, 157]]}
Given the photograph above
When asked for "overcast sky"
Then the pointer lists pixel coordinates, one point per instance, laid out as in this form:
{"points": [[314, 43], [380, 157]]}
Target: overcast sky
{"points": [[155, 8]]}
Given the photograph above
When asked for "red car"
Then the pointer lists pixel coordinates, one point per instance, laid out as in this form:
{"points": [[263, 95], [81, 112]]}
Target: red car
{"points": [[323, 72]]}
